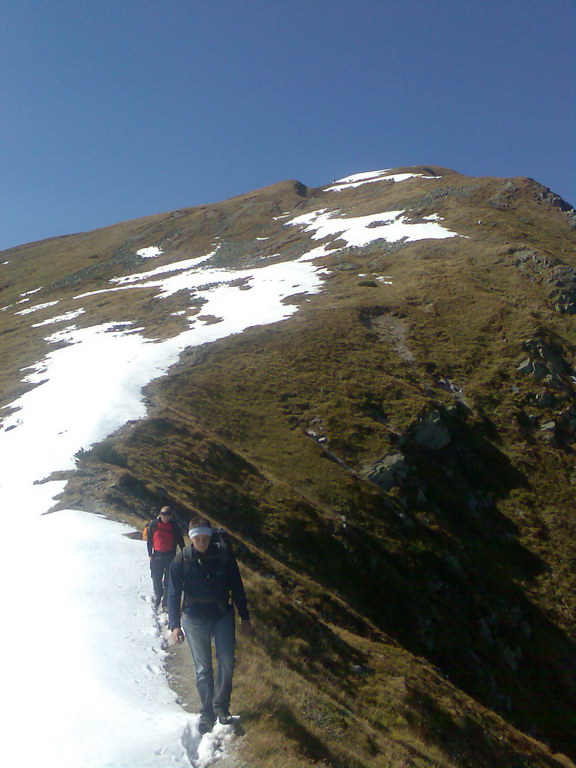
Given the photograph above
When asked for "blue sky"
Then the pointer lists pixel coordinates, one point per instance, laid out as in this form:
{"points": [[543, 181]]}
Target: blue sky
{"points": [[116, 109]]}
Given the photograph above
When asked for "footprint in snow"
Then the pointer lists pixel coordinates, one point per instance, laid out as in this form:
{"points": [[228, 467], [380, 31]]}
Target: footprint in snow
{"points": [[204, 751]]}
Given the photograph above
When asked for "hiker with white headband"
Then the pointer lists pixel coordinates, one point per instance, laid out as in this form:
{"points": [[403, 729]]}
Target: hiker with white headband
{"points": [[207, 573]]}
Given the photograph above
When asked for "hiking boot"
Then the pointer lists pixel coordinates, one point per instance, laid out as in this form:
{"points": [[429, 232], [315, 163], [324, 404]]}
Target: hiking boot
{"points": [[206, 724], [225, 718]]}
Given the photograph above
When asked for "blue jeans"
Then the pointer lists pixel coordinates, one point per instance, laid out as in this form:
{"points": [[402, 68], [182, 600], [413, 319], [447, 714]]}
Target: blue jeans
{"points": [[214, 693]]}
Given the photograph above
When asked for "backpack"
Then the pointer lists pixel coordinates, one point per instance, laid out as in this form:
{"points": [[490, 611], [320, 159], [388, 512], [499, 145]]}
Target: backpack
{"points": [[222, 542], [146, 531]]}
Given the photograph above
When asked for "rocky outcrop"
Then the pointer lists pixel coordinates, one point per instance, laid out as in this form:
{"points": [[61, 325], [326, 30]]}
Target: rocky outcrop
{"points": [[390, 471], [557, 278], [547, 360]]}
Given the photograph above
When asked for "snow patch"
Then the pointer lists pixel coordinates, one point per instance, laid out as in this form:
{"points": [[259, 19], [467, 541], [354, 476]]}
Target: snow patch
{"points": [[36, 308], [29, 293], [391, 226], [364, 176], [177, 266], [150, 253], [66, 317], [220, 287], [370, 177]]}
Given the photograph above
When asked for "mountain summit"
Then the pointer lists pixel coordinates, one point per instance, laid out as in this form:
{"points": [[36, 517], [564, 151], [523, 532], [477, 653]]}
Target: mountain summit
{"points": [[371, 385]]}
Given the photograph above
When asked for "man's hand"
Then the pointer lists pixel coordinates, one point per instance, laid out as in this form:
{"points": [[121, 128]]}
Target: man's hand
{"points": [[177, 635], [246, 628]]}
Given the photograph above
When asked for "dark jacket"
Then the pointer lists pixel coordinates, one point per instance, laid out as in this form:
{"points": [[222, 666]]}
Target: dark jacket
{"points": [[207, 582], [178, 538]]}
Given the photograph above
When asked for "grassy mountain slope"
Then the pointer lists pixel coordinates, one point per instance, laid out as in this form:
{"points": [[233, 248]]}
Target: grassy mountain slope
{"points": [[395, 463]]}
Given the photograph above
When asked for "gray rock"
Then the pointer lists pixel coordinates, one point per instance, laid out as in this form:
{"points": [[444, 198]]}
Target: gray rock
{"points": [[557, 278], [362, 669], [525, 366], [390, 471], [431, 433]]}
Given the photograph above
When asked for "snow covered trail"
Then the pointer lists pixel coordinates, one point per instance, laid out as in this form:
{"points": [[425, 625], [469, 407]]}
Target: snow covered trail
{"points": [[86, 671], [84, 683], [96, 693]]}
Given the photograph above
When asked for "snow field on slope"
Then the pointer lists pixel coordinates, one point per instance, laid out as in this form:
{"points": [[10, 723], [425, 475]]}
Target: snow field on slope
{"points": [[84, 680], [392, 226], [370, 177]]}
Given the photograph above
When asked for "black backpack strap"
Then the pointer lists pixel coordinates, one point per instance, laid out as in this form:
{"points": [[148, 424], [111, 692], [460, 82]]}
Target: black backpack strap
{"points": [[186, 557], [223, 543], [152, 525]]}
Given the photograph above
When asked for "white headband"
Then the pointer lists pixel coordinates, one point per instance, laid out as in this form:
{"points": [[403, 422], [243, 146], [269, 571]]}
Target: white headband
{"points": [[200, 531]]}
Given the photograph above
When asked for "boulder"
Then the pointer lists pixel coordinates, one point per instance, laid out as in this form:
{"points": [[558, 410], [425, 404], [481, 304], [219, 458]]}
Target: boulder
{"points": [[390, 471], [431, 433]]}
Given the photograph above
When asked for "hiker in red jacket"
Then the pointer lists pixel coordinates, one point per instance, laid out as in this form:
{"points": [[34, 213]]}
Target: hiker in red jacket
{"points": [[164, 535]]}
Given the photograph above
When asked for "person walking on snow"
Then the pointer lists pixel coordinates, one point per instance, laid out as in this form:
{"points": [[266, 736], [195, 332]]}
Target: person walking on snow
{"points": [[207, 573], [164, 536]]}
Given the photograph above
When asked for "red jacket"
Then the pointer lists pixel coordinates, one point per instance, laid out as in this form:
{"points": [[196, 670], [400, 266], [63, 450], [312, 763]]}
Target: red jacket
{"points": [[164, 537]]}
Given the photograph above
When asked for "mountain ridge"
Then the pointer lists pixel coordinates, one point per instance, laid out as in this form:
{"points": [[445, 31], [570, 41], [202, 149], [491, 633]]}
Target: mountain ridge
{"points": [[441, 171], [393, 457]]}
